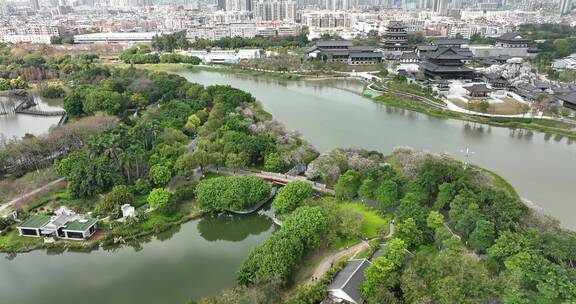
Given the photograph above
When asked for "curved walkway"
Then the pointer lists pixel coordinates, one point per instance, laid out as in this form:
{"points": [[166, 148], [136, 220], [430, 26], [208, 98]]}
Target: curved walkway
{"points": [[449, 105], [327, 262], [258, 206]]}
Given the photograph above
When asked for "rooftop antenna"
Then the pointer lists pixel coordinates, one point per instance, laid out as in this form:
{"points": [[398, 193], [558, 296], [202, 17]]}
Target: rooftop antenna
{"points": [[467, 152]]}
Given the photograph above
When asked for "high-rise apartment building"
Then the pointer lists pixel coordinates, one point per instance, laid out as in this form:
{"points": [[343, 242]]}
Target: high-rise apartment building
{"points": [[270, 10], [440, 6], [35, 4], [565, 6], [237, 5], [337, 5]]}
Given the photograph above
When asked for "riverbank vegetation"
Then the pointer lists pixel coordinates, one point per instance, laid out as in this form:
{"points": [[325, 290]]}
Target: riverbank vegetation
{"points": [[17, 83], [144, 55], [145, 140], [460, 237]]}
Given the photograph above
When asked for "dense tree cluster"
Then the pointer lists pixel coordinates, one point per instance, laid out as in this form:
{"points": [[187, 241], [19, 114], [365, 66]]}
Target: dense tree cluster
{"points": [[280, 255], [179, 58], [171, 42], [16, 62], [139, 55], [53, 90], [291, 196], [256, 42], [446, 217], [231, 193], [329, 166], [36, 152]]}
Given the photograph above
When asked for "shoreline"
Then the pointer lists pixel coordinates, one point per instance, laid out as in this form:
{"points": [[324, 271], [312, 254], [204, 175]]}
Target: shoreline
{"points": [[504, 122]]}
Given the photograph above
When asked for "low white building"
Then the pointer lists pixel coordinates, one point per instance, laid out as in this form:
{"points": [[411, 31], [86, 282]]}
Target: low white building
{"points": [[64, 224], [221, 56], [116, 37], [128, 211], [16, 39], [248, 54]]}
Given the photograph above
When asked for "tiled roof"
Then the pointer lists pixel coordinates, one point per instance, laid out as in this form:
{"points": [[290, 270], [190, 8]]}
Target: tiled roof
{"points": [[350, 278]]}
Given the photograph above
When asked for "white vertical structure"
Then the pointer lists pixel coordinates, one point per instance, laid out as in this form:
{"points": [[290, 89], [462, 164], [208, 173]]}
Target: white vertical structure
{"points": [[35, 5], [440, 6], [467, 152], [565, 6], [237, 5]]}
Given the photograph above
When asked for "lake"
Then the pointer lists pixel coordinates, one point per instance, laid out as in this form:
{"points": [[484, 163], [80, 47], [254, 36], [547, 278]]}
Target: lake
{"points": [[331, 114], [195, 260], [200, 258], [17, 125]]}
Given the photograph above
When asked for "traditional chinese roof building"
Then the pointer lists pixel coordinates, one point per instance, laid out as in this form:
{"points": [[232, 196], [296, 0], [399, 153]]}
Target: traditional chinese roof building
{"points": [[447, 63], [395, 38]]}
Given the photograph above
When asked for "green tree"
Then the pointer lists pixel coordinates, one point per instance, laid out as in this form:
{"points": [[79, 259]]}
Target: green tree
{"points": [[73, 102], [192, 124], [160, 175], [446, 193], [435, 220], [158, 198], [409, 232], [367, 190], [274, 163], [119, 196], [387, 194], [187, 163], [104, 101], [483, 236], [231, 192], [290, 196], [347, 185]]}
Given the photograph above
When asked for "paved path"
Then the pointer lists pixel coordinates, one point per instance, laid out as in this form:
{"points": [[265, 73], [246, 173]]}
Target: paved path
{"points": [[327, 262], [29, 194], [450, 105]]}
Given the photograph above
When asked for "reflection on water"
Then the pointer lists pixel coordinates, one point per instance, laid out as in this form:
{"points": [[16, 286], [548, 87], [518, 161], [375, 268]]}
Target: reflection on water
{"points": [[233, 228], [190, 261]]}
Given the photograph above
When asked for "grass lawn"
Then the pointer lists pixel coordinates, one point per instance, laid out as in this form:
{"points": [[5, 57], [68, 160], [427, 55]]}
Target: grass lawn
{"points": [[509, 106], [12, 242], [373, 224]]}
